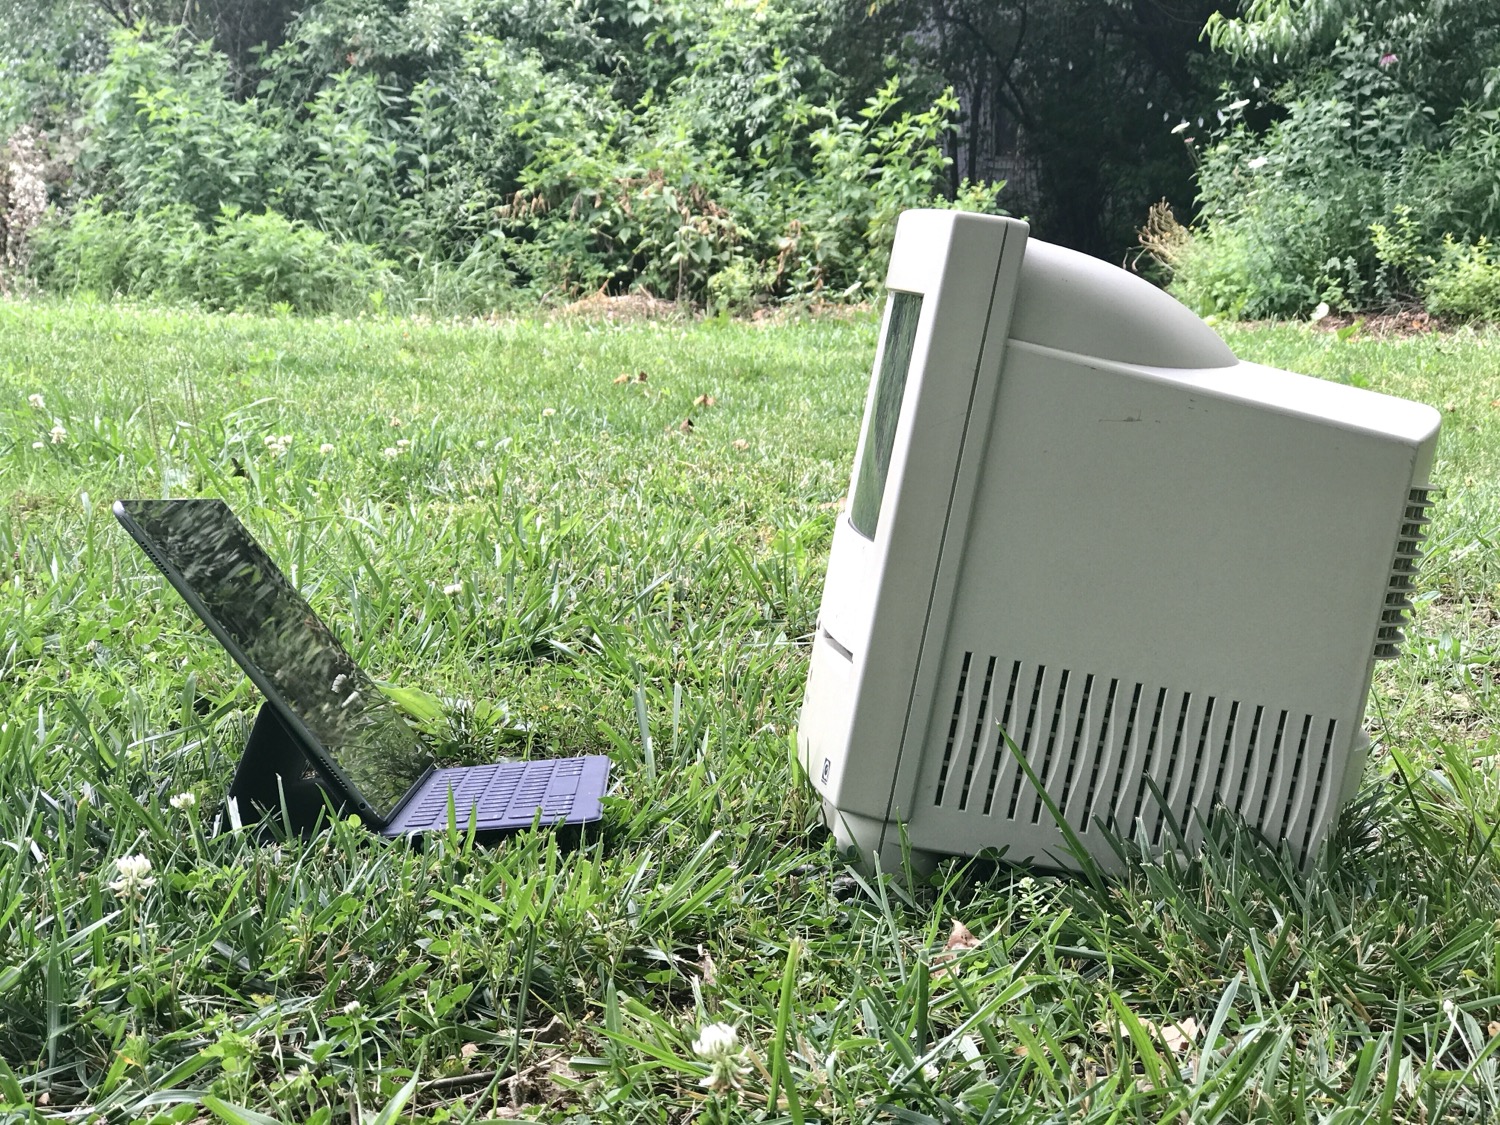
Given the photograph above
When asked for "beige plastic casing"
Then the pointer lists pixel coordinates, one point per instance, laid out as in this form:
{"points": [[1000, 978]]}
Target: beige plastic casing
{"points": [[1157, 569]]}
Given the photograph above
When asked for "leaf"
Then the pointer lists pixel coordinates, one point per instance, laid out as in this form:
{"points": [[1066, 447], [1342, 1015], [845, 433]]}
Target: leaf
{"points": [[236, 1114], [960, 937], [420, 705], [960, 940], [388, 1115], [1180, 1036], [704, 400]]}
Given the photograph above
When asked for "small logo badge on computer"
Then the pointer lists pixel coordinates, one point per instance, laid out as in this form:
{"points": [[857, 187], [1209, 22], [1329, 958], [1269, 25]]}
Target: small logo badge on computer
{"points": [[827, 765]]}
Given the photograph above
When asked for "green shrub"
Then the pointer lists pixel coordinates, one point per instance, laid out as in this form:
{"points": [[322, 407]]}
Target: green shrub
{"points": [[483, 149], [1360, 139], [1463, 282], [1285, 217], [241, 261], [261, 261], [162, 128]]}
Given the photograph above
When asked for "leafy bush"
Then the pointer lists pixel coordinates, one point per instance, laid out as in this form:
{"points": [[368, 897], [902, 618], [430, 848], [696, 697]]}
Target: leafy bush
{"points": [[1463, 283], [163, 128], [241, 261], [1354, 147], [482, 147]]}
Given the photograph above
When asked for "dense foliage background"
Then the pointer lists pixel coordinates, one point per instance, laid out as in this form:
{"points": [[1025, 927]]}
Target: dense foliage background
{"points": [[454, 150], [466, 154], [1354, 162]]}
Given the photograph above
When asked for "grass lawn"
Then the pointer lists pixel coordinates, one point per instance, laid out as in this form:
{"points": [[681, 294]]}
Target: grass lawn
{"points": [[517, 519]]}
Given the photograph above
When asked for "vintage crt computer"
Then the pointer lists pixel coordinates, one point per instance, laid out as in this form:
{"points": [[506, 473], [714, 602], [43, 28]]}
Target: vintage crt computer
{"points": [[1078, 523]]}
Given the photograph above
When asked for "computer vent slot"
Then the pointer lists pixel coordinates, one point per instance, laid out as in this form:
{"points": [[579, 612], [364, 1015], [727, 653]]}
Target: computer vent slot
{"points": [[1103, 749], [1393, 615]]}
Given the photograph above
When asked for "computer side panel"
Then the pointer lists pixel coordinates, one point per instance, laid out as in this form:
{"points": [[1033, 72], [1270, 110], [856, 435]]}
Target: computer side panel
{"points": [[1172, 587]]}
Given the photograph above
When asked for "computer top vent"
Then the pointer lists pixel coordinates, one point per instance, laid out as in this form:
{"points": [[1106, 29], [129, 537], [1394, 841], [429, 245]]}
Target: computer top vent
{"points": [[1393, 616], [1099, 744]]}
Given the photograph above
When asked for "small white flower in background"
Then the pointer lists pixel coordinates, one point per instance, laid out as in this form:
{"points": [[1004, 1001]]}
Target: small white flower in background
{"points": [[183, 801], [718, 1044], [278, 444], [453, 588], [481, 444], [351, 1007], [135, 876], [1259, 162], [403, 445], [391, 453], [59, 433], [39, 445], [1320, 312], [326, 448], [547, 413], [36, 402]]}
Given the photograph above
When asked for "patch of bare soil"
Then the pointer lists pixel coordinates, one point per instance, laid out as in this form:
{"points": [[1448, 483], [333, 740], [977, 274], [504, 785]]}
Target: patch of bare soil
{"points": [[1400, 323], [620, 309]]}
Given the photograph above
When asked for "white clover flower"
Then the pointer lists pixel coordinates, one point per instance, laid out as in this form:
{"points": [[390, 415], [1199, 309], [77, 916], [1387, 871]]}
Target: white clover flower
{"points": [[547, 413], [59, 433], [718, 1044], [715, 1039], [39, 445], [278, 444], [326, 448], [183, 801], [391, 453], [1258, 162], [453, 588], [403, 445], [352, 1007], [36, 402], [135, 876]]}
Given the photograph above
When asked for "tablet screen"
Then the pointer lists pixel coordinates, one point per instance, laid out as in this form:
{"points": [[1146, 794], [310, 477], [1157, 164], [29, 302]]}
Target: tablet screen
{"points": [[281, 643]]}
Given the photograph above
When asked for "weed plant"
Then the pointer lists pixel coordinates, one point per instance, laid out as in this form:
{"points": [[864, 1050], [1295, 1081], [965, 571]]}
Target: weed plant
{"points": [[516, 519]]}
